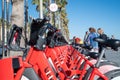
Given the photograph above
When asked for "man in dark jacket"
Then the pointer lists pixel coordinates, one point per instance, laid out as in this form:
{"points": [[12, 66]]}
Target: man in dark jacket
{"points": [[102, 36]]}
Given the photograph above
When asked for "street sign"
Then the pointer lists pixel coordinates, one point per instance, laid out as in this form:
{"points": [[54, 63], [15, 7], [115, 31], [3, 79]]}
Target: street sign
{"points": [[53, 7]]}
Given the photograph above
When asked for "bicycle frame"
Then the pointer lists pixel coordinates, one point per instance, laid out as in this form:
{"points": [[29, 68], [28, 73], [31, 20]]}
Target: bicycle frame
{"points": [[36, 60], [75, 59], [94, 71], [67, 63], [61, 58]]}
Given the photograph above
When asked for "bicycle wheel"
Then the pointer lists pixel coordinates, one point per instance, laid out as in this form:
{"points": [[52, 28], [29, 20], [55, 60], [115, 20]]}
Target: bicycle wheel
{"points": [[106, 62], [113, 75], [102, 64]]}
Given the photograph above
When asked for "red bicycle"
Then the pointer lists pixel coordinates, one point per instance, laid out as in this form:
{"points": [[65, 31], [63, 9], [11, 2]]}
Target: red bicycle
{"points": [[110, 71], [65, 62], [33, 65]]}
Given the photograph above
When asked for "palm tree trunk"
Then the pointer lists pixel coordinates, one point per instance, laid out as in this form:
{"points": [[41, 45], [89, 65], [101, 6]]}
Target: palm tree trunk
{"points": [[17, 16], [50, 14]]}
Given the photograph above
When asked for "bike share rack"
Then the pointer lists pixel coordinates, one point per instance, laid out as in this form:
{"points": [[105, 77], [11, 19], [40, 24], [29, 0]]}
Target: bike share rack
{"points": [[43, 62], [67, 63]]}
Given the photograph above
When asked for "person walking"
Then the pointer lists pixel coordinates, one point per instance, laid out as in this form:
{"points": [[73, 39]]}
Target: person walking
{"points": [[90, 39], [102, 35], [85, 38], [112, 37]]}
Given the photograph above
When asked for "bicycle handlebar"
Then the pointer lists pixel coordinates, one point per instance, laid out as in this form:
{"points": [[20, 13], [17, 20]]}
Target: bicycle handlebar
{"points": [[40, 21], [113, 43]]}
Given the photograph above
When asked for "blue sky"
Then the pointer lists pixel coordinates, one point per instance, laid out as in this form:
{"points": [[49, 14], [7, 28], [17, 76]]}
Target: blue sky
{"points": [[83, 14]]}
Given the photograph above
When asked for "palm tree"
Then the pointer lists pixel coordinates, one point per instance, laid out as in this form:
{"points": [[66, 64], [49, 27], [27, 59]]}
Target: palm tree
{"points": [[63, 17], [45, 4], [0, 28], [61, 12], [17, 16]]}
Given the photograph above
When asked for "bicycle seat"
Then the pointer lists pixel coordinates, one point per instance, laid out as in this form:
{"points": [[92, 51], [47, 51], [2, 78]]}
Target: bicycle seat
{"points": [[113, 43], [93, 55], [87, 47]]}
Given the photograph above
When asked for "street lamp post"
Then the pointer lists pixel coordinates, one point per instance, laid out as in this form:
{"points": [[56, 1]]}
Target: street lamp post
{"points": [[7, 14], [3, 33], [41, 9], [53, 8], [59, 18], [7, 22], [26, 21], [50, 15], [54, 14]]}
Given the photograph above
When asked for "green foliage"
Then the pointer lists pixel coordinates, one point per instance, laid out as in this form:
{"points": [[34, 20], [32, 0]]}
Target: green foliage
{"points": [[61, 10], [36, 2]]}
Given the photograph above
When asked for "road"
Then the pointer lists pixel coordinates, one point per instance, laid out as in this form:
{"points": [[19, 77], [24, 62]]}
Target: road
{"points": [[113, 56]]}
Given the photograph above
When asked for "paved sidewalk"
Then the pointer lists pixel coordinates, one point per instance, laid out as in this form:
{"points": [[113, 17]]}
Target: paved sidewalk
{"points": [[113, 56]]}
